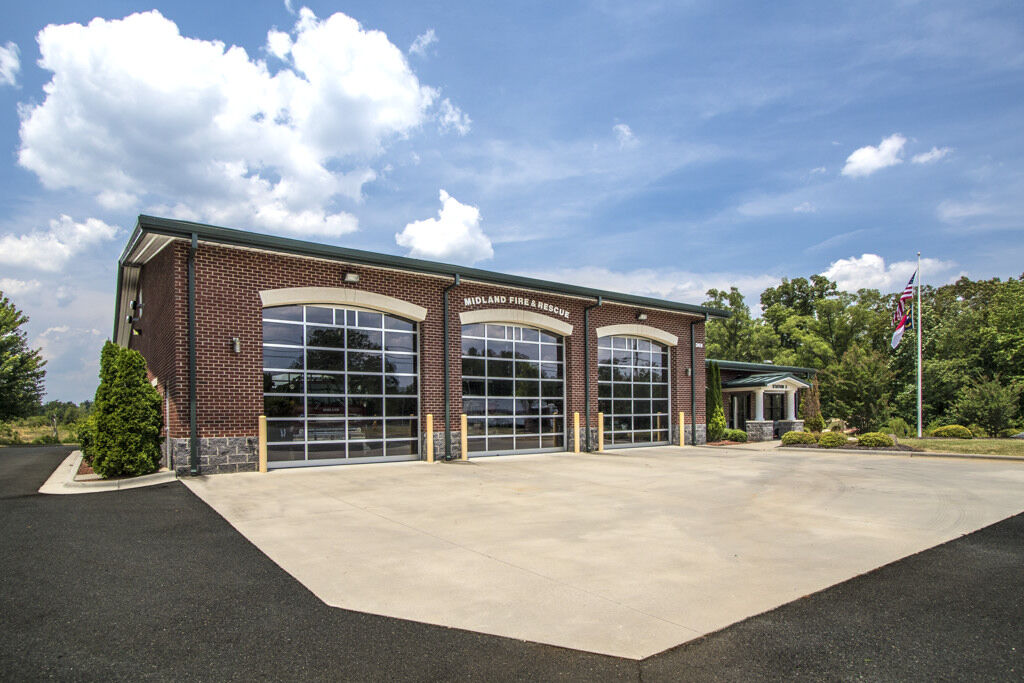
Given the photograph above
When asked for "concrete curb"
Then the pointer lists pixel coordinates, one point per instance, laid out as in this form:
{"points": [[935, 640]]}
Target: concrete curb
{"points": [[62, 481], [910, 454]]}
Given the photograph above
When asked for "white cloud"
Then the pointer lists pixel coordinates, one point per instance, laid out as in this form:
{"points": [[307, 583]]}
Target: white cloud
{"points": [[422, 42], [933, 155], [136, 113], [451, 117], [288, 6], [805, 207], [455, 235], [51, 249], [662, 283], [819, 170], [871, 271], [12, 287], [624, 134], [867, 160], [279, 44], [10, 64], [951, 211]]}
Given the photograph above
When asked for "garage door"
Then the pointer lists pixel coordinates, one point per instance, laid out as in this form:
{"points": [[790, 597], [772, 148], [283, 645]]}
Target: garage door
{"points": [[513, 389], [340, 385], [632, 391]]}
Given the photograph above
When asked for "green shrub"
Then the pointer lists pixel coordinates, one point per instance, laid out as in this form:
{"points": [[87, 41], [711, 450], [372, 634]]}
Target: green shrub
{"points": [[874, 440], [8, 437], [832, 440], [128, 420], [735, 435], [86, 436], [1009, 432], [716, 425], [815, 423], [899, 427], [977, 431], [45, 440], [953, 432], [790, 438]]}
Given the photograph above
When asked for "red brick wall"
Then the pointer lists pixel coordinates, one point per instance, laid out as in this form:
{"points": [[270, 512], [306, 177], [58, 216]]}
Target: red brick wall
{"points": [[228, 282], [163, 338]]}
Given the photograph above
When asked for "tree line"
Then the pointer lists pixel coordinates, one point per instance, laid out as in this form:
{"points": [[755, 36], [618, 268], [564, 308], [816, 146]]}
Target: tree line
{"points": [[973, 349]]}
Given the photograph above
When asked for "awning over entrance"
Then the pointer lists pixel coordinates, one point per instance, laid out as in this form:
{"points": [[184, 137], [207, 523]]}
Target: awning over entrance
{"points": [[769, 380]]}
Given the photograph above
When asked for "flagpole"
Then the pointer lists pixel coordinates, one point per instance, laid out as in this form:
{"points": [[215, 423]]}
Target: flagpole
{"points": [[919, 392]]}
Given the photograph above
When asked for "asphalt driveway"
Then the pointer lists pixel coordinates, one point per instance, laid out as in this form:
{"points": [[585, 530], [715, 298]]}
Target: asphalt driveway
{"points": [[626, 554], [152, 584]]}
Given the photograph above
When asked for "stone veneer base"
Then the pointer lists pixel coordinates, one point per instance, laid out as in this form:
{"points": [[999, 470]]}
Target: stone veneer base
{"points": [[760, 430], [217, 455], [790, 426]]}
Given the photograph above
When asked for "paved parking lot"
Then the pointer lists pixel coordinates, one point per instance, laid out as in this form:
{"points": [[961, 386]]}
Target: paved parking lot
{"points": [[625, 554]]}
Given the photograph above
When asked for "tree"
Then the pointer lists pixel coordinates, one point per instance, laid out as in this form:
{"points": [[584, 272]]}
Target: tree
{"points": [[738, 337], [991, 403], [857, 388], [713, 403], [21, 368], [810, 408], [124, 436]]}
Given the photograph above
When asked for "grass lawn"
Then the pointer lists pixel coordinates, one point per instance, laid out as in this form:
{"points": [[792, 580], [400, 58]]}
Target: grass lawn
{"points": [[976, 446]]}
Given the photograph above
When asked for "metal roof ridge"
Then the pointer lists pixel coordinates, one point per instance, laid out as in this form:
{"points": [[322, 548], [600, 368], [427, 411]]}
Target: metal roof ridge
{"points": [[246, 238]]}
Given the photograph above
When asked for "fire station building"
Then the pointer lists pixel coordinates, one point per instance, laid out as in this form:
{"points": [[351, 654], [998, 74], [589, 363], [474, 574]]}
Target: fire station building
{"points": [[346, 353]]}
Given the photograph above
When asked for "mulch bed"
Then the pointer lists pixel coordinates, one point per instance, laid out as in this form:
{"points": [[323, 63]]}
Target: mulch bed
{"points": [[724, 443], [84, 468]]}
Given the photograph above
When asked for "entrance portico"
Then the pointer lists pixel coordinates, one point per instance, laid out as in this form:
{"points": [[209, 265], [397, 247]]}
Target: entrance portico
{"points": [[764, 404]]}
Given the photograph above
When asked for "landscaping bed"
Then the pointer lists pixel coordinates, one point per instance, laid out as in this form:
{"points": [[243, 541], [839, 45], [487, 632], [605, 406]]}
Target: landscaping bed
{"points": [[1013, 447], [853, 446]]}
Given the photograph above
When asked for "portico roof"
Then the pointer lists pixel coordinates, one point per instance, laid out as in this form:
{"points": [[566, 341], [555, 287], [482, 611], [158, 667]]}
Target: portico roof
{"points": [[765, 380]]}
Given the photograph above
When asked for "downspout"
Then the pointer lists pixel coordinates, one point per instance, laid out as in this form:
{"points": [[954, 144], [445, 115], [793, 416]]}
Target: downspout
{"points": [[447, 374], [193, 460], [586, 369]]}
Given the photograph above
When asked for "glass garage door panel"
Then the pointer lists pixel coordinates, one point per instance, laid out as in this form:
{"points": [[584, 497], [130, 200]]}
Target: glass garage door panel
{"points": [[513, 389], [632, 390], [339, 385]]}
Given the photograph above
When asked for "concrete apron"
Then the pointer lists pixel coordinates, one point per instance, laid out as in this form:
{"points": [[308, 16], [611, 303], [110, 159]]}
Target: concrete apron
{"points": [[626, 553]]}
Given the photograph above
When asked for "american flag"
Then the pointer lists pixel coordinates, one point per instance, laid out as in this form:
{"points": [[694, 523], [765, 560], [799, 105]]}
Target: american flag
{"points": [[908, 293]]}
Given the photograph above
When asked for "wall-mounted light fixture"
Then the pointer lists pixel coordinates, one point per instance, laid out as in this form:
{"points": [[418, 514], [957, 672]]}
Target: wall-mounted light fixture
{"points": [[351, 277], [641, 316], [236, 344]]}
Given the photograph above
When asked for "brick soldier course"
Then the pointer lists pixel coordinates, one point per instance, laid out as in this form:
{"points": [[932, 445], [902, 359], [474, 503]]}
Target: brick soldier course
{"points": [[233, 267]]}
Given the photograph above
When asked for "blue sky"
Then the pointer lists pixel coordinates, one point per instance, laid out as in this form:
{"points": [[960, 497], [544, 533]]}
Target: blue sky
{"points": [[660, 148]]}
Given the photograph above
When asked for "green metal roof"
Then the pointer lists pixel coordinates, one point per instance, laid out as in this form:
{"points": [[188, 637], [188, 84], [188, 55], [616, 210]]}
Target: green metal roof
{"points": [[761, 380], [759, 367], [178, 229]]}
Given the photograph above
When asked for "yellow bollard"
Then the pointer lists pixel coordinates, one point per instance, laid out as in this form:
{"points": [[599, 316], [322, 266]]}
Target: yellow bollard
{"points": [[682, 429], [263, 443], [463, 441], [600, 432], [430, 437], [576, 432]]}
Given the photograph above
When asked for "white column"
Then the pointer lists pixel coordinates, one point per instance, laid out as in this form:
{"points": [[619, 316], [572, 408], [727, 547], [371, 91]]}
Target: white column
{"points": [[791, 404], [759, 405]]}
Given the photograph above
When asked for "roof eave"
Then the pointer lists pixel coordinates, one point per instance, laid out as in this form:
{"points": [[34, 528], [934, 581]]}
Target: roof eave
{"points": [[240, 238]]}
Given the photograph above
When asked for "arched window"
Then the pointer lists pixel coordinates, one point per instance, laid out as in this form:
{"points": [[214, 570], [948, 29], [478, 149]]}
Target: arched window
{"points": [[340, 385], [633, 390], [513, 388]]}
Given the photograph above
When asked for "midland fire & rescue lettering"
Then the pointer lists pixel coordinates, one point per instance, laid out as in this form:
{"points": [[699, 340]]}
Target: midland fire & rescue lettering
{"points": [[515, 301]]}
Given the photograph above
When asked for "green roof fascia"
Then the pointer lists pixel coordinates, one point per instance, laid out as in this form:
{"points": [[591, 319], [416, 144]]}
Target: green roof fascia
{"points": [[242, 238], [762, 380], [758, 367]]}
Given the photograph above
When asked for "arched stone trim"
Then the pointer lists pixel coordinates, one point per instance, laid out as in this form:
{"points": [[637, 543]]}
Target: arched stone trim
{"points": [[340, 296], [645, 331], [515, 316]]}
